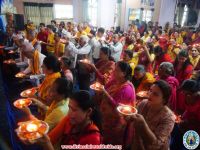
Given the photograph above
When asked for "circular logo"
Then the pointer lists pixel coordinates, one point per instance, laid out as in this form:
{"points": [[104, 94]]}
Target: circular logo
{"points": [[191, 140]]}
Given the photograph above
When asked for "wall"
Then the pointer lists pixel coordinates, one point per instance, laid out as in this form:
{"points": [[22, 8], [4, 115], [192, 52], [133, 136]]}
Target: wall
{"points": [[129, 4], [20, 7]]}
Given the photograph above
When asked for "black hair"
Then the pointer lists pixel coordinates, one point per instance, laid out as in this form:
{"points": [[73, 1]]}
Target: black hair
{"points": [[64, 87], [67, 61], [140, 68], [85, 101], [50, 27], [62, 23], [190, 86], [151, 47], [53, 21], [129, 53], [126, 69], [93, 32], [107, 52], [165, 89], [101, 30], [51, 62], [158, 49], [182, 53], [58, 34], [42, 24]]}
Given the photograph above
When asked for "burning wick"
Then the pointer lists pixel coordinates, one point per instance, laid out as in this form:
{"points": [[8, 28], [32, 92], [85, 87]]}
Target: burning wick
{"points": [[21, 102], [126, 109], [28, 92], [31, 127], [97, 85], [85, 61]]}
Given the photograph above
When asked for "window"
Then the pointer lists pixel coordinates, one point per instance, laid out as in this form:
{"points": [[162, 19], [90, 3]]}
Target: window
{"points": [[92, 12], [185, 13], [63, 11], [147, 15]]}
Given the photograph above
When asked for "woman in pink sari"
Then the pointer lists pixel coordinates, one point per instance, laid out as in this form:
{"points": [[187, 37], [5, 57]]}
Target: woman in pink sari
{"points": [[119, 90], [166, 72]]}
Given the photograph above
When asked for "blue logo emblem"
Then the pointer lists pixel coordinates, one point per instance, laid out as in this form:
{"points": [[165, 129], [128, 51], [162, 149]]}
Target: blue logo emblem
{"points": [[191, 140]]}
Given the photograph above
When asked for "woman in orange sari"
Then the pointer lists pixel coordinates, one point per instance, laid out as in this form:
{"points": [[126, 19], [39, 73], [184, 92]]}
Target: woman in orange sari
{"points": [[81, 126], [119, 90]]}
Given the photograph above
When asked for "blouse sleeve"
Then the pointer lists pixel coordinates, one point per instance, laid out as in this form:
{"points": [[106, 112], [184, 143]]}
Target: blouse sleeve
{"points": [[58, 131], [125, 96], [162, 132]]}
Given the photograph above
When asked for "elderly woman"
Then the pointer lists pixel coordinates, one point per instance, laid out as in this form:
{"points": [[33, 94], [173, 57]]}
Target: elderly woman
{"points": [[166, 72], [154, 122], [119, 90], [142, 80]]}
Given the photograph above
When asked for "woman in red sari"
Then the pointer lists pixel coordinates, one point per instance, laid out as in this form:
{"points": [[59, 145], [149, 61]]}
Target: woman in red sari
{"points": [[183, 67], [160, 57], [104, 67], [191, 116], [146, 57], [81, 126]]}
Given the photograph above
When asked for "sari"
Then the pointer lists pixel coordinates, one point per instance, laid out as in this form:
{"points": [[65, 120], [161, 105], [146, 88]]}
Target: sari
{"points": [[105, 70], [35, 68], [124, 94], [62, 134], [192, 116], [182, 75], [46, 84], [145, 83], [174, 84], [163, 58]]}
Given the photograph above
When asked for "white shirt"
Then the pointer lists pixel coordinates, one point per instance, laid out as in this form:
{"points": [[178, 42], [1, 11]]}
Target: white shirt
{"points": [[30, 63], [116, 50], [74, 51], [96, 46]]}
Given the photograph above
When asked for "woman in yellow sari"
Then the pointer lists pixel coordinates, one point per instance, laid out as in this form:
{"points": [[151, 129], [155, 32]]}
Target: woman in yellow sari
{"points": [[51, 68]]}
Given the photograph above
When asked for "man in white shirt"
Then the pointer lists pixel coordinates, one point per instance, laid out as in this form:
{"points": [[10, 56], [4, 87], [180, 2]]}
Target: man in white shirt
{"points": [[81, 52], [32, 38], [116, 48], [96, 43], [33, 56]]}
